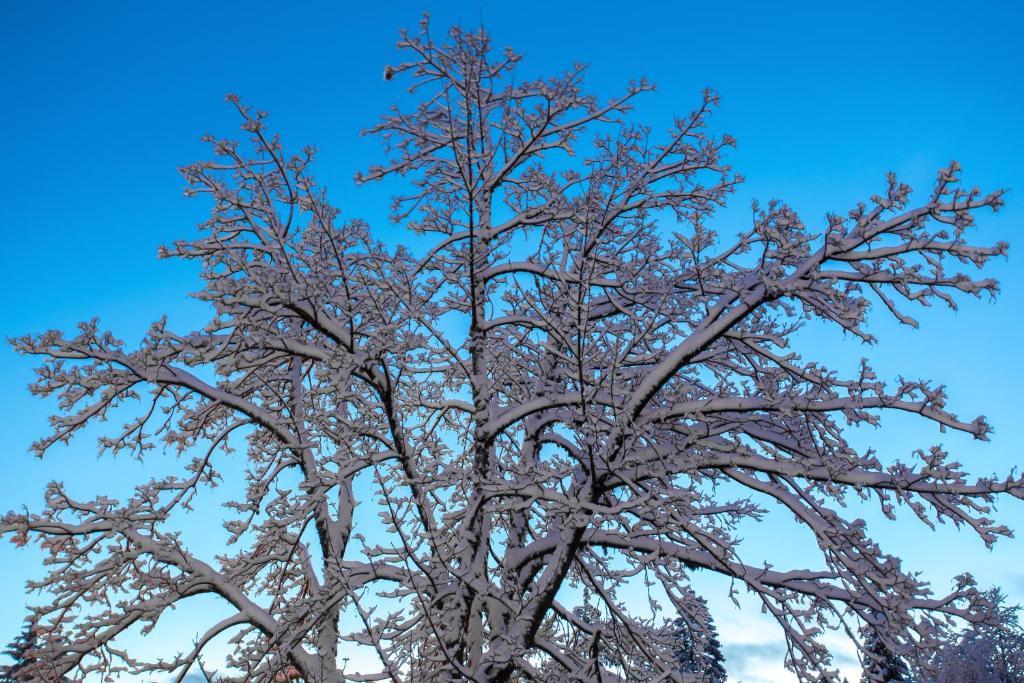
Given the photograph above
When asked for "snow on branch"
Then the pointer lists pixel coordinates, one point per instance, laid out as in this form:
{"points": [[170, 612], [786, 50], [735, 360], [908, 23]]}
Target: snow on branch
{"points": [[547, 402]]}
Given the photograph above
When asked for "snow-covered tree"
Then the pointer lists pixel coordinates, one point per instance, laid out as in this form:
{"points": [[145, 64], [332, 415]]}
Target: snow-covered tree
{"points": [[19, 651], [573, 384], [25, 664], [698, 650], [991, 652], [881, 665]]}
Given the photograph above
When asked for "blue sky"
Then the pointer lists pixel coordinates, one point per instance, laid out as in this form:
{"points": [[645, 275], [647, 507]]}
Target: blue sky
{"points": [[103, 101]]}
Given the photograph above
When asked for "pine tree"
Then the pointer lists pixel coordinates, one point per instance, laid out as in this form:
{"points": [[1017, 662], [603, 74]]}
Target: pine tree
{"points": [[18, 650], [880, 664], [700, 652], [23, 650], [714, 660]]}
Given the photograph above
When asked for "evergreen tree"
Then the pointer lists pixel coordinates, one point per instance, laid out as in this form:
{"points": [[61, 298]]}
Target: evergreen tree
{"points": [[880, 664], [714, 660], [23, 651], [700, 653], [18, 650]]}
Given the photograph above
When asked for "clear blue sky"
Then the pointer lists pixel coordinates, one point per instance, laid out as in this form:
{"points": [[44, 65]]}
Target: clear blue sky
{"points": [[103, 101]]}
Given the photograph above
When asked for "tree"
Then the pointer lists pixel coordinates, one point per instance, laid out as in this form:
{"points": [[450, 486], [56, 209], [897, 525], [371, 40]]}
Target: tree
{"points": [[699, 653], [989, 652], [26, 661], [19, 650], [692, 639], [880, 664], [549, 397]]}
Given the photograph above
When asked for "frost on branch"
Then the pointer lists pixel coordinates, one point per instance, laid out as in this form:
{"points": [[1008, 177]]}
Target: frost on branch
{"points": [[545, 403]]}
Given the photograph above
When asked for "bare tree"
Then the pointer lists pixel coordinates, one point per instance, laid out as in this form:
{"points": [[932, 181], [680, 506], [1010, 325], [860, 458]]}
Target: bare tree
{"points": [[553, 399]]}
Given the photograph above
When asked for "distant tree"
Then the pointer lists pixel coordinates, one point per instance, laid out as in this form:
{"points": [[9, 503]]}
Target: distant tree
{"points": [[20, 651], [26, 665], [699, 653], [559, 391], [990, 652], [880, 664]]}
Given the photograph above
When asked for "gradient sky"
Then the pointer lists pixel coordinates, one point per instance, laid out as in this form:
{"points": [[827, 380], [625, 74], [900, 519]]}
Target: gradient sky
{"points": [[102, 102]]}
